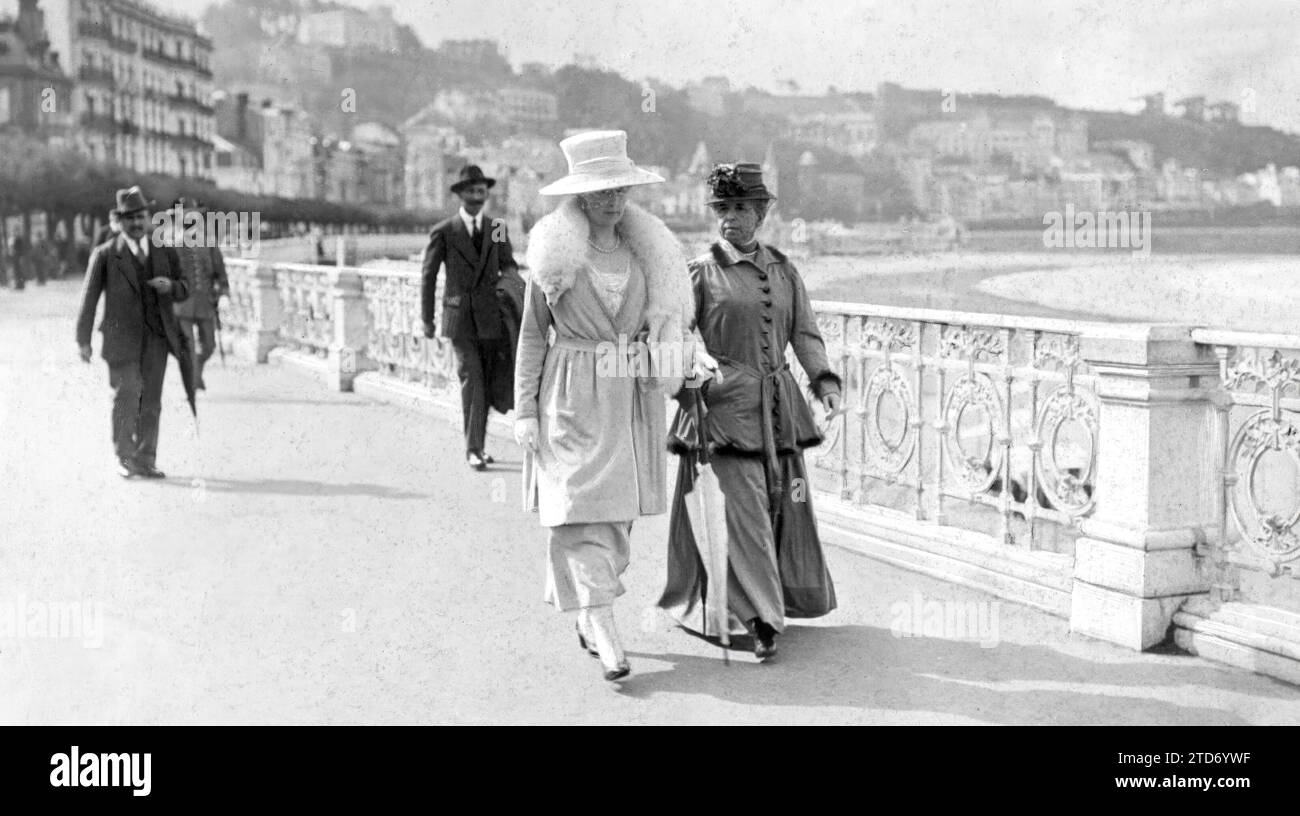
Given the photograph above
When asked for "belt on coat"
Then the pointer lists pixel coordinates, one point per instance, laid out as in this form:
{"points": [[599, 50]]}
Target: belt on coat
{"points": [[767, 399], [636, 348]]}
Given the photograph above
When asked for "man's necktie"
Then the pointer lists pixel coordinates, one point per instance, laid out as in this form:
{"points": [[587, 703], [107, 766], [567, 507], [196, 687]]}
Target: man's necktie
{"points": [[478, 237]]}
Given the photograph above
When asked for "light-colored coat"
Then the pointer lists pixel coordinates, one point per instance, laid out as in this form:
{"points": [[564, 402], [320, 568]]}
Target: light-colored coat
{"points": [[601, 421]]}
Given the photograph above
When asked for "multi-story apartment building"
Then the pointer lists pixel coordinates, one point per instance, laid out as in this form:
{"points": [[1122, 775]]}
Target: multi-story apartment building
{"points": [[288, 152], [430, 141], [34, 91], [1030, 139], [280, 139], [528, 106], [381, 151], [350, 28], [523, 109], [143, 98]]}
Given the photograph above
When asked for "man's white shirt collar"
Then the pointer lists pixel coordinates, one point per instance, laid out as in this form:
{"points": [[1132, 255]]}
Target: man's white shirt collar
{"points": [[140, 249], [470, 219]]}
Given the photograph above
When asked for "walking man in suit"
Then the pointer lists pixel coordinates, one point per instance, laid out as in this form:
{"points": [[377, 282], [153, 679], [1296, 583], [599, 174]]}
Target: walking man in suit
{"points": [[139, 280], [476, 252]]}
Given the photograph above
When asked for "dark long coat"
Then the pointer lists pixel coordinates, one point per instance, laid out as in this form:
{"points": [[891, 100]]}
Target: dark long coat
{"points": [[470, 307], [481, 298], [114, 273]]}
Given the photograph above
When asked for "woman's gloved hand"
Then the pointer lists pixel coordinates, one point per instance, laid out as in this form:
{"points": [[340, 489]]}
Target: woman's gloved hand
{"points": [[527, 433], [703, 366]]}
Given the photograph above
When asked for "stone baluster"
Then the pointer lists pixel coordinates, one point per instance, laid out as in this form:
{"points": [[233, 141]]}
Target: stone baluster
{"points": [[1136, 561], [347, 350], [268, 312], [345, 250]]}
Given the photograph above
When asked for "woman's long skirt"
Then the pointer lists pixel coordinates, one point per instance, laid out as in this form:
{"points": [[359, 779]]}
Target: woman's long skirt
{"points": [[585, 563], [776, 567]]}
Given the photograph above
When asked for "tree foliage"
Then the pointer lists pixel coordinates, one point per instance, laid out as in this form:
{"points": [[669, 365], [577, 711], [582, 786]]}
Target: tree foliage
{"points": [[35, 176]]}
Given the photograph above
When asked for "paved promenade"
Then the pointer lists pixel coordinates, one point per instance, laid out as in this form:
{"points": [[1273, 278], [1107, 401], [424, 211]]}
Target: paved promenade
{"points": [[316, 557]]}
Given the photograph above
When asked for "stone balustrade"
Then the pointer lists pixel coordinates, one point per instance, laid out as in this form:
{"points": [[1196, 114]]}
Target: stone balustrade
{"points": [[1107, 472], [395, 340], [307, 307]]}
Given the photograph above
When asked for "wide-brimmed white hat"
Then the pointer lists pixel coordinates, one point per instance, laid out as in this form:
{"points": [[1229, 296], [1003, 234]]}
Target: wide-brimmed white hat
{"points": [[598, 161]]}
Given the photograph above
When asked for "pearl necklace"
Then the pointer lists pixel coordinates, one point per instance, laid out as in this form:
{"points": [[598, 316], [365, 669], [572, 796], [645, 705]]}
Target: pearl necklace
{"points": [[618, 243]]}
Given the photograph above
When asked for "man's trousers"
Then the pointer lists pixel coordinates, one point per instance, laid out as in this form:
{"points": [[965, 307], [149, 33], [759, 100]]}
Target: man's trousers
{"points": [[137, 401], [473, 366]]}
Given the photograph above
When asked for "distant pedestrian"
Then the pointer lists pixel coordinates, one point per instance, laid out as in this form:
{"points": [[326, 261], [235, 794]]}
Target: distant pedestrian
{"points": [[108, 231], [205, 272], [477, 254], [19, 261], [139, 280], [45, 262]]}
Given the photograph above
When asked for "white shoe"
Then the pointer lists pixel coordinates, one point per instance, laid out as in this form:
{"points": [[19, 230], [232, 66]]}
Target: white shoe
{"points": [[585, 638], [605, 633]]}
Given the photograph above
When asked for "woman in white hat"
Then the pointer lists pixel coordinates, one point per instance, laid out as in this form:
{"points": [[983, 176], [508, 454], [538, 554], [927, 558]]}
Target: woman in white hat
{"points": [[611, 281]]}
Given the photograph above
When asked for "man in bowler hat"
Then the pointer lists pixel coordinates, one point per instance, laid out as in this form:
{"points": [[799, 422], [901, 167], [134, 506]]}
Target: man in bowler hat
{"points": [[476, 252], [139, 280]]}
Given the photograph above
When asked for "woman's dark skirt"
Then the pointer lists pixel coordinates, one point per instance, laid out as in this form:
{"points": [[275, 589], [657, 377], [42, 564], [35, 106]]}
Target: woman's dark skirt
{"points": [[776, 565]]}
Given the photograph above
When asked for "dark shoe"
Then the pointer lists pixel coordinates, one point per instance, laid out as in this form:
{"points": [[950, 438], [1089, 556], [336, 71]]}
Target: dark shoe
{"points": [[488, 459], [149, 471], [619, 672], [764, 640], [476, 460], [126, 468]]}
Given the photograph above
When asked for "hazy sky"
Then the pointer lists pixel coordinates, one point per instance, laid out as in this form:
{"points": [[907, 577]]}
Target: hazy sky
{"points": [[1083, 53]]}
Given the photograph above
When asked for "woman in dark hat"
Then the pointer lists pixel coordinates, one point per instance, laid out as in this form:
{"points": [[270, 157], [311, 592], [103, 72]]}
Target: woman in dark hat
{"points": [[750, 304]]}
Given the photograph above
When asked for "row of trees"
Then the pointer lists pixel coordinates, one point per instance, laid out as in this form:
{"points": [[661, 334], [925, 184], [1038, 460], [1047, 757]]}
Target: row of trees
{"points": [[75, 191]]}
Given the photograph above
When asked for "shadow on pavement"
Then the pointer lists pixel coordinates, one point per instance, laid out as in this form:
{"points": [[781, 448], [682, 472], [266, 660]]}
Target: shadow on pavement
{"points": [[331, 403], [294, 487], [866, 667]]}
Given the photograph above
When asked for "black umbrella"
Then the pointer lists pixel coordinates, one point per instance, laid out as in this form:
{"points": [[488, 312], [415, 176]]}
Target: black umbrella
{"points": [[184, 354]]}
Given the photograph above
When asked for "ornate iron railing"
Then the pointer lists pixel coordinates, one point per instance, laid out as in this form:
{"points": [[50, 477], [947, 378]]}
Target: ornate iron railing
{"points": [[1258, 445], [948, 411]]}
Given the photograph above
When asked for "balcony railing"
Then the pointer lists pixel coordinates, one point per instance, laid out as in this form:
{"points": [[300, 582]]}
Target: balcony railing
{"points": [[103, 76], [160, 56], [102, 31], [99, 121], [123, 44], [184, 100]]}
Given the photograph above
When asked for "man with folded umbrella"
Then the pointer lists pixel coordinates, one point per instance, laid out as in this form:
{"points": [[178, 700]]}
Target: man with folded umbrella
{"points": [[139, 280], [204, 269], [750, 305]]}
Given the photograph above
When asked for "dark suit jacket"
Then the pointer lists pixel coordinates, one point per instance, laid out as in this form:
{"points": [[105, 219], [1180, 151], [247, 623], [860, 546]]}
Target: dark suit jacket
{"points": [[114, 272], [470, 308]]}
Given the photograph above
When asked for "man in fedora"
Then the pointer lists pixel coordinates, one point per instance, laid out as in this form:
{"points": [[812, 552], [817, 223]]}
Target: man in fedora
{"points": [[477, 254], [139, 280], [205, 272]]}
